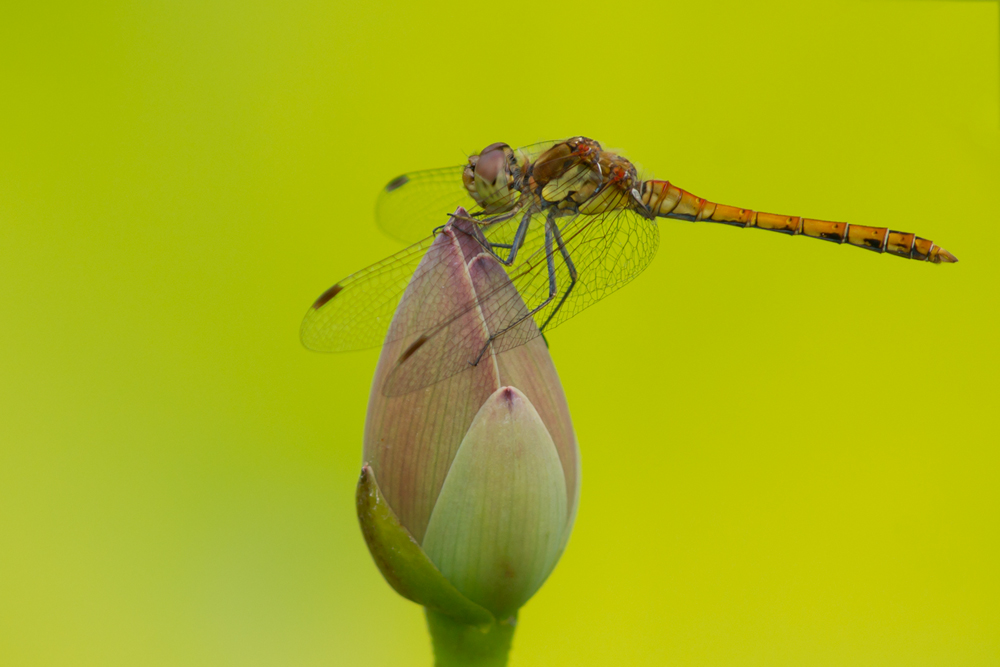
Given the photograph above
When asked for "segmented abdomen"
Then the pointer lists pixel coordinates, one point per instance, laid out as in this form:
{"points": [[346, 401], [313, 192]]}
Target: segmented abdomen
{"points": [[669, 201]]}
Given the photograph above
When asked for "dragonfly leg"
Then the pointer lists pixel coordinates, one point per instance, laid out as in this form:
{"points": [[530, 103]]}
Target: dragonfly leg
{"points": [[550, 233], [518, 240], [489, 247], [476, 233], [487, 221], [572, 275], [466, 218]]}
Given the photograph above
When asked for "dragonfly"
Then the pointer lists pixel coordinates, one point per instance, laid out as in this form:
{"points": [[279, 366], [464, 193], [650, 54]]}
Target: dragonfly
{"points": [[569, 221]]}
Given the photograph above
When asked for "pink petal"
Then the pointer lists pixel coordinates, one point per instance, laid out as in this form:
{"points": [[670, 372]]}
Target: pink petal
{"points": [[411, 439]]}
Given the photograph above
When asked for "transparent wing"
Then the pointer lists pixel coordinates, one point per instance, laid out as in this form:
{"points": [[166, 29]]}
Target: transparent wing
{"points": [[411, 206], [605, 252], [531, 151], [355, 314]]}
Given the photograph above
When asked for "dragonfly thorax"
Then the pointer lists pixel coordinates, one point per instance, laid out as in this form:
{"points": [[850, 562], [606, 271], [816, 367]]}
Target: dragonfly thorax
{"points": [[578, 174]]}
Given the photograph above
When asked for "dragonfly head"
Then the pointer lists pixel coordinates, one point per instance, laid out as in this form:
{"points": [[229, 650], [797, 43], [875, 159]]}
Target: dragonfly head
{"points": [[493, 178]]}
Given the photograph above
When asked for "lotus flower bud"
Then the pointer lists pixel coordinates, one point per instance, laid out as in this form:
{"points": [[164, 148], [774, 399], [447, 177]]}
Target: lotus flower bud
{"points": [[470, 484]]}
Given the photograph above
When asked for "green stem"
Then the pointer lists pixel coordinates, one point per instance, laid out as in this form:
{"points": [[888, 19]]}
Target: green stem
{"points": [[459, 645]]}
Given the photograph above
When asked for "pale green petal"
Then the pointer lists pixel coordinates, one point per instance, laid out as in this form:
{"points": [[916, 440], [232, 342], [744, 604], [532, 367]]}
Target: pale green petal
{"points": [[498, 526], [401, 561], [529, 367]]}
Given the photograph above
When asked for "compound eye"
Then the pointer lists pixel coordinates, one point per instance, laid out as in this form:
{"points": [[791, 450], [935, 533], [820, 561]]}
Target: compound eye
{"points": [[490, 164]]}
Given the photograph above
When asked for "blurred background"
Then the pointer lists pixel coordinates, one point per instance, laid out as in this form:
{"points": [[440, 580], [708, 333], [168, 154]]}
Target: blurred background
{"points": [[789, 448]]}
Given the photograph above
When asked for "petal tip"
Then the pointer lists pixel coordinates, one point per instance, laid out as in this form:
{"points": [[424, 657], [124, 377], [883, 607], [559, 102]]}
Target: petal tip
{"points": [[508, 395]]}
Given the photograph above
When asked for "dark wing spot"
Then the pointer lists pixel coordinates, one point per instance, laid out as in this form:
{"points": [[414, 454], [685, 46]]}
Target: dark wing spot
{"points": [[326, 296], [397, 182], [408, 352]]}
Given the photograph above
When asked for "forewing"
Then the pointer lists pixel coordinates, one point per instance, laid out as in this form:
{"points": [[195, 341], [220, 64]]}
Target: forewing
{"points": [[356, 313], [411, 206]]}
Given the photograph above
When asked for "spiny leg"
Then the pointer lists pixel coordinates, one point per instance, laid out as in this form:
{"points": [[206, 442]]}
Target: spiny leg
{"points": [[572, 275], [550, 232]]}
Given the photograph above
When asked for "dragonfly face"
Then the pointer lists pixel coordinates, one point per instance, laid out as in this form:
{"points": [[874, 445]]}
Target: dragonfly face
{"points": [[493, 178]]}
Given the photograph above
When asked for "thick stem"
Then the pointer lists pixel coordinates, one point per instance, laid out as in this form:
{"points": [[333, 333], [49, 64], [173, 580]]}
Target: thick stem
{"points": [[460, 645]]}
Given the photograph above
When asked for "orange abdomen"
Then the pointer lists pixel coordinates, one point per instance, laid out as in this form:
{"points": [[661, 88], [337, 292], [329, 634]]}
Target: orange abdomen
{"points": [[668, 201]]}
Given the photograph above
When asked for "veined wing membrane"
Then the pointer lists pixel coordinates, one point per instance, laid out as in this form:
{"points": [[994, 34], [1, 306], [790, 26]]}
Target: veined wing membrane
{"points": [[411, 206], [606, 252], [355, 314]]}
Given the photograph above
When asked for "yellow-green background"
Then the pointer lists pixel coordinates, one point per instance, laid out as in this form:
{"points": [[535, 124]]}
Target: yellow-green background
{"points": [[790, 449]]}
